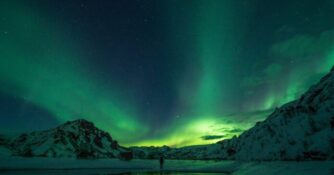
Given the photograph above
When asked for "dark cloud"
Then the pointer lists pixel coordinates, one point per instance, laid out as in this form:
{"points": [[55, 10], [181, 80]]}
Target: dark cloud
{"points": [[212, 137], [236, 130], [230, 131]]}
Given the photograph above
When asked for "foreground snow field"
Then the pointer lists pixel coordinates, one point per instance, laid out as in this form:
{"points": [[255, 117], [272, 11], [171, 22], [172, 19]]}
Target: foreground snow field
{"points": [[10, 164]]}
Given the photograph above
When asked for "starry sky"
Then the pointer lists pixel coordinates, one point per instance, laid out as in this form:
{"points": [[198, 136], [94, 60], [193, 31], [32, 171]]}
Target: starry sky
{"points": [[169, 72]]}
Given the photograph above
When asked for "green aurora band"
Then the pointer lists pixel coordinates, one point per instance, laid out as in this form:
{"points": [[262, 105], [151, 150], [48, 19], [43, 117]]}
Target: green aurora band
{"points": [[52, 73]]}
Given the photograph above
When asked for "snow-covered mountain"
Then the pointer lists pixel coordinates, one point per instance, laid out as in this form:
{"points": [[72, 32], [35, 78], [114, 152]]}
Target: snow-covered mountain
{"points": [[300, 130], [79, 138]]}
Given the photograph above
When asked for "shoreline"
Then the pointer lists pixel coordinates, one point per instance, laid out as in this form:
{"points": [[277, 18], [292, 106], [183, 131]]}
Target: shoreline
{"points": [[18, 164]]}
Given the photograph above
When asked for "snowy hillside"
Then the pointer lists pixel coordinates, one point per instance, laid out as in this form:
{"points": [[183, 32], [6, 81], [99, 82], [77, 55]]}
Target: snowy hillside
{"points": [[79, 138], [299, 130]]}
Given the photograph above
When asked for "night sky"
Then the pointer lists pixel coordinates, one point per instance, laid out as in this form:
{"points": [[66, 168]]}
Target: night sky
{"points": [[153, 72]]}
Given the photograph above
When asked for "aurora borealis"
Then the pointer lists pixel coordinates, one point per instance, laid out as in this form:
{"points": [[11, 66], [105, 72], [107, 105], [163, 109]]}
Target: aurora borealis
{"points": [[159, 72]]}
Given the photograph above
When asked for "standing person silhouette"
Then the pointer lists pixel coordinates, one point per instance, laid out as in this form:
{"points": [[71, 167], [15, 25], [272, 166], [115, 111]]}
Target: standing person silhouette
{"points": [[161, 160]]}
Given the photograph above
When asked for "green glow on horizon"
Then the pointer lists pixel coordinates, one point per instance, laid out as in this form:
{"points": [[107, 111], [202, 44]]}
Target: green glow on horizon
{"points": [[191, 132]]}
